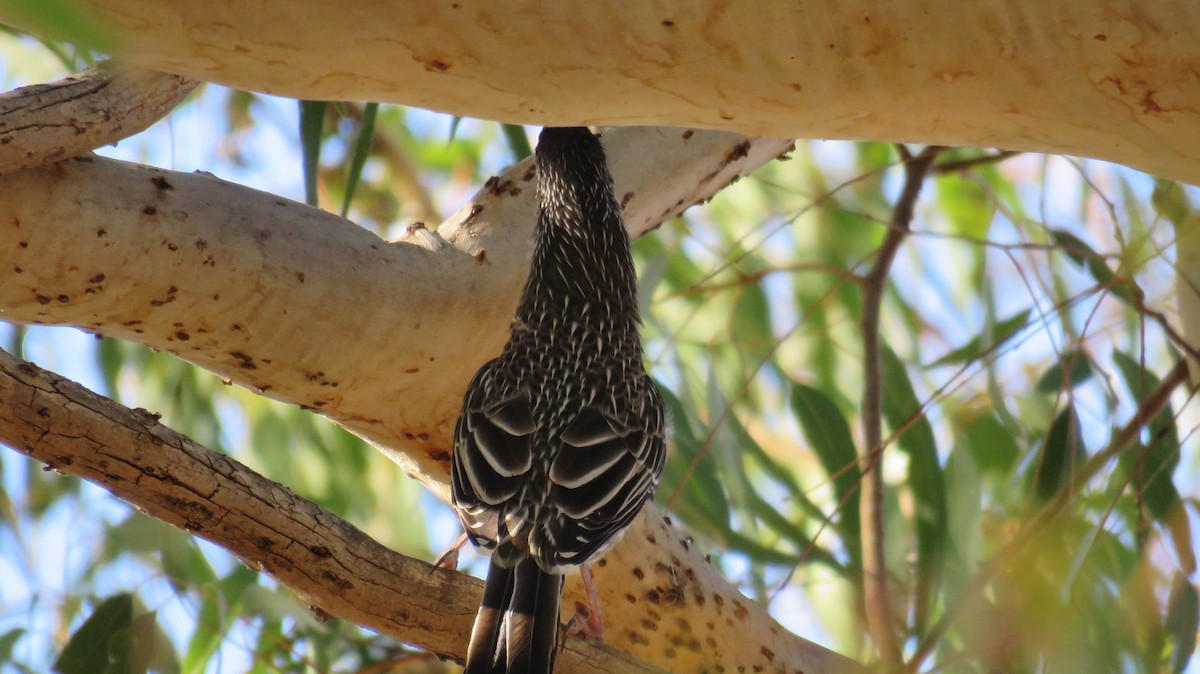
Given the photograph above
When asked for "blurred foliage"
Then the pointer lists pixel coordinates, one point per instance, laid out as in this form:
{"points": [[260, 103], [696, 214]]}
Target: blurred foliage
{"points": [[1023, 328]]}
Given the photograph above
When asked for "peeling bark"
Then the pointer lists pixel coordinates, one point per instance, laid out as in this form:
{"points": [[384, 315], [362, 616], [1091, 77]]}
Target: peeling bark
{"points": [[50, 122]]}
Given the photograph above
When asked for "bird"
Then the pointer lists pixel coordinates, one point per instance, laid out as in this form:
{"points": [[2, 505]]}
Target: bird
{"points": [[561, 438]]}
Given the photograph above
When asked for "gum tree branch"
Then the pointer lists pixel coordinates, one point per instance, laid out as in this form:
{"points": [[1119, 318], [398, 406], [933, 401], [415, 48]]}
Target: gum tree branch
{"points": [[230, 279], [335, 568], [339, 571], [1115, 81], [44, 123]]}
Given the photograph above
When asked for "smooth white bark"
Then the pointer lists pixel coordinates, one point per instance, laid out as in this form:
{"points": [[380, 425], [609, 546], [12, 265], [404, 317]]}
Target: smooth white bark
{"points": [[1115, 80]]}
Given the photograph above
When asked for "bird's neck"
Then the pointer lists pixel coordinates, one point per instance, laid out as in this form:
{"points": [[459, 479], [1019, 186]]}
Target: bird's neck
{"points": [[581, 272]]}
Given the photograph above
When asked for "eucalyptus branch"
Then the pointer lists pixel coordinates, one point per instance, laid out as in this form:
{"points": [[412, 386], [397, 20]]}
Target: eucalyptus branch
{"points": [[335, 568], [46, 123], [880, 619]]}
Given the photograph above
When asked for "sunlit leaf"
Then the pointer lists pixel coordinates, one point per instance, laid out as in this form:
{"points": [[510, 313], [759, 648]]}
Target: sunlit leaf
{"points": [[1170, 200], [312, 125], [964, 500], [362, 151], [63, 19], [966, 205], [750, 322]]}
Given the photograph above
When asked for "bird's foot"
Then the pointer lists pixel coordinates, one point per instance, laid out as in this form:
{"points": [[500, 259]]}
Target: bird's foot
{"points": [[589, 621], [449, 559]]}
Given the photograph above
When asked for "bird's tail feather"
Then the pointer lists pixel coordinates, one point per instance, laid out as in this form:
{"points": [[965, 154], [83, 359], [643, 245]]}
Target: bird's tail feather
{"points": [[516, 629]]}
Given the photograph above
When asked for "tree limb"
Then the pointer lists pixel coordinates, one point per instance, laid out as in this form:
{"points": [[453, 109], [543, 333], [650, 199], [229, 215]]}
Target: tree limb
{"points": [[1115, 81], [44, 123], [338, 570], [335, 568], [231, 279]]}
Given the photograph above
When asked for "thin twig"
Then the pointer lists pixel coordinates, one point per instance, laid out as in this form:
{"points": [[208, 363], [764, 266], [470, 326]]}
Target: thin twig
{"points": [[968, 164], [877, 597]]}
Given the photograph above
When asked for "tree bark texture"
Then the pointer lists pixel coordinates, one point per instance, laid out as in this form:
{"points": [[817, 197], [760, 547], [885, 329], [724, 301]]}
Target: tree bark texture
{"points": [[379, 336], [336, 569], [1114, 80], [43, 123]]}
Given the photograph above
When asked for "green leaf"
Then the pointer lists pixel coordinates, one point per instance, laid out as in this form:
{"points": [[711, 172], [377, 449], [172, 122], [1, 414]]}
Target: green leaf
{"points": [[925, 479], [991, 444], [726, 450], [964, 500], [184, 564], [966, 204], [276, 604], [750, 322], [87, 651], [1002, 331], [1170, 200], [312, 127], [217, 615], [1084, 256], [1062, 455], [518, 141], [1151, 467], [65, 20], [362, 151], [132, 648], [1078, 367], [828, 434], [701, 500], [8, 641], [1182, 621]]}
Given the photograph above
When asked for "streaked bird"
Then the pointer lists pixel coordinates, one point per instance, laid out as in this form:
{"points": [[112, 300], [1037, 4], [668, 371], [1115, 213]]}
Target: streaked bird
{"points": [[561, 438]]}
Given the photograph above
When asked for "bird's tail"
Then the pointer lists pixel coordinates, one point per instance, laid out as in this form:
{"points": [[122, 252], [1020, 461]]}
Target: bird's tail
{"points": [[516, 630]]}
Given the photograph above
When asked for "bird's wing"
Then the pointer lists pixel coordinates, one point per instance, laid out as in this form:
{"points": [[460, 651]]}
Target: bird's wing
{"points": [[608, 464], [492, 452]]}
